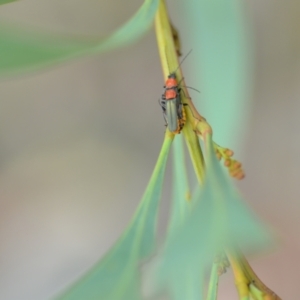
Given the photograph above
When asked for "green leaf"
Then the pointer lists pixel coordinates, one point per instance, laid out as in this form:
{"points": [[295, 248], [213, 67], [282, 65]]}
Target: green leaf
{"points": [[181, 190], [161, 273], [116, 276], [223, 58], [6, 1], [212, 292], [234, 222], [23, 50], [218, 220]]}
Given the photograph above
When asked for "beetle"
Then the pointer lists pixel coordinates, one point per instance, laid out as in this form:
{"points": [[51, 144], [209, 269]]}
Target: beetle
{"points": [[171, 103], [172, 106]]}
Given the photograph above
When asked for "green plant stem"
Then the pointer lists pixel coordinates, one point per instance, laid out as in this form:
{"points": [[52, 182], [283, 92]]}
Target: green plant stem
{"points": [[243, 273], [243, 267], [256, 294], [195, 151], [212, 292], [169, 59]]}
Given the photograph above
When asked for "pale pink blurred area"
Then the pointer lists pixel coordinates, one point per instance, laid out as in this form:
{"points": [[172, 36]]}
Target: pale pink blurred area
{"points": [[79, 142]]}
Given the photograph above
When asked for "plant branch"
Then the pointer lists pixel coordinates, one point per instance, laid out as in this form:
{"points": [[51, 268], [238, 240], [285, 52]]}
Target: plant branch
{"points": [[168, 50]]}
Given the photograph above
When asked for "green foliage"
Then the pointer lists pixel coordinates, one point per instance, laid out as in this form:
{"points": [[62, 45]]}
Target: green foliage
{"points": [[181, 190], [23, 50], [212, 292], [6, 1], [217, 220], [116, 276], [222, 71]]}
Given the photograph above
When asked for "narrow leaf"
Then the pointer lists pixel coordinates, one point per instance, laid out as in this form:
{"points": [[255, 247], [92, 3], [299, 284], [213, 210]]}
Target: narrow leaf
{"points": [[224, 59], [116, 276], [235, 223], [218, 220], [6, 1], [181, 191], [212, 293], [23, 50]]}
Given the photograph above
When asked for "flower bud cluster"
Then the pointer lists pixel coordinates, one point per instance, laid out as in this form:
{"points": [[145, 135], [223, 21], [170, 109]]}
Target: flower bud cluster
{"points": [[234, 166]]}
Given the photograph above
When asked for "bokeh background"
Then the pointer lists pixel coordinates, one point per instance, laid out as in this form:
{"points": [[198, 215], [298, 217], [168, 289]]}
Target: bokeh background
{"points": [[79, 142]]}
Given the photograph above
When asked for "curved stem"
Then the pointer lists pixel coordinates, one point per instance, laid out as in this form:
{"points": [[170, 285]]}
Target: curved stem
{"points": [[245, 276], [168, 51]]}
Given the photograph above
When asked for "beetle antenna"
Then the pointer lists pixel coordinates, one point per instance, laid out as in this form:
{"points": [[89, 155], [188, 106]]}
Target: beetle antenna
{"points": [[183, 60], [189, 87]]}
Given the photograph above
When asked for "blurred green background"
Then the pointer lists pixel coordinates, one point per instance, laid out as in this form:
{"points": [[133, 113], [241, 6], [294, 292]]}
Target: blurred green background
{"points": [[79, 142]]}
